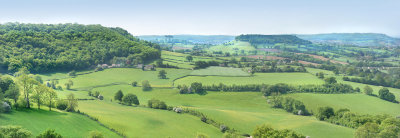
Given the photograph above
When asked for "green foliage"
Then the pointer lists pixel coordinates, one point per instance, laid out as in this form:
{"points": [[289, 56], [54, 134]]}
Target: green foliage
{"points": [[323, 113], [96, 134], [255, 39], [368, 130], [146, 85], [134, 83], [189, 58], [62, 104], [12, 92], [368, 90], [162, 74], [130, 99], [386, 95], [289, 104], [277, 88], [69, 84], [14, 132], [118, 96], [49, 133], [156, 104], [330, 80], [72, 103], [265, 131], [320, 75], [197, 87], [205, 64], [201, 135], [47, 47]]}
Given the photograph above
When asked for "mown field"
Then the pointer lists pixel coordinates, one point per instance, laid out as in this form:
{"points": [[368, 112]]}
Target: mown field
{"points": [[257, 78], [67, 124], [146, 122], [124, 76], [358, 103], [219, 71], [179, 59], [240, 110]]}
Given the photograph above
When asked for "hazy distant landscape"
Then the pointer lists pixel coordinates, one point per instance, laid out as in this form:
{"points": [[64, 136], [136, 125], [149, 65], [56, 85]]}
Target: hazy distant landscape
{"points": [[240, 73]]}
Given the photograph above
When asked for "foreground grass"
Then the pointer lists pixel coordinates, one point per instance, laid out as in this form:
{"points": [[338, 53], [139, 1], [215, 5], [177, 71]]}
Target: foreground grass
{"points": [[64, 123], [258, 78], [146, 122], [358, 103], [240, 110]]}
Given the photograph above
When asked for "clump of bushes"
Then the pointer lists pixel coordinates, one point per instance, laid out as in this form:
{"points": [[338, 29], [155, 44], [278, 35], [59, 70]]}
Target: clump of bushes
{"points": [[156, 104], [61, 104], [130, 99], [265, 131], [14, 132], [146, 85], [50, 133], [289, 104]]}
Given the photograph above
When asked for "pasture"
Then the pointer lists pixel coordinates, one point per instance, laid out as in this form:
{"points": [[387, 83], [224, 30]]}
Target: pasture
{"points": [[240, 110], [65, 123], [116, 76], [219, 71], [257, 78], [358, 103], [233, 47], [146, 122]]}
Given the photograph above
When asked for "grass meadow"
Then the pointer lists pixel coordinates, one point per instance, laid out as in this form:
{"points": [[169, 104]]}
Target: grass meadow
{"points": [[240, 110], [257, 78], [67, 124], [358, 103], [219, 71]]}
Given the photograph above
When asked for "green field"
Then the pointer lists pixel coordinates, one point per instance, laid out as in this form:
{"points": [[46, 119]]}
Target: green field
{"points": [[146, 122], [258, 78], [220, 71], [124, 76], [376, 89], [240, 110], [64, 123], [359, 103], [179, 59], [235, 47]]}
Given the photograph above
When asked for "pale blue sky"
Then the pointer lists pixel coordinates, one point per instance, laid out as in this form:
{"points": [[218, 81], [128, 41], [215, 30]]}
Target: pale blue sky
{"points": [[232, 17]]}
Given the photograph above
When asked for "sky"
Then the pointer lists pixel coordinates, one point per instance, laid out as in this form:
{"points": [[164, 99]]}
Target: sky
{"points": [[214, 17]]}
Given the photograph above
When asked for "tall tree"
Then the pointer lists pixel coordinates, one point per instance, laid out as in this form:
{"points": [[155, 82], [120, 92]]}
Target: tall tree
{"points": [[118, 96], [26, 84], [72, 103], [39, 93], [50, 96], [13, 92], [162, 74]]}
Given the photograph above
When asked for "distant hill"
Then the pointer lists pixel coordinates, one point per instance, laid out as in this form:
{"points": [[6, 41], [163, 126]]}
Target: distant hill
{"points": [[359, 39], [52, 47], [256, 39], [192, 39]]}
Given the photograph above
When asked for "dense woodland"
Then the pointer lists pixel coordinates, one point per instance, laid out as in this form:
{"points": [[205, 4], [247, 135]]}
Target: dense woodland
{"points": [[271, 39], [48, 47]]}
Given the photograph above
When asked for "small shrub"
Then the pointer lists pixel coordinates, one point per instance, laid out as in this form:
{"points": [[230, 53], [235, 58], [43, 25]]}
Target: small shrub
{"points": [[62, 104], [96, 134], [50, 133]]}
